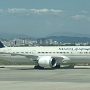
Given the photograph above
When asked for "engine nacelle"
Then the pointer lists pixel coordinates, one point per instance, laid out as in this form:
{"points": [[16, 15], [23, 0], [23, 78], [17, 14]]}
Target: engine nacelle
{"points": [[46, 61]]}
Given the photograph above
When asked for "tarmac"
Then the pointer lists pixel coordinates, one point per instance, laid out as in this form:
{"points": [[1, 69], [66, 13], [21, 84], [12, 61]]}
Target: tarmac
{"points": [[27, 78]]}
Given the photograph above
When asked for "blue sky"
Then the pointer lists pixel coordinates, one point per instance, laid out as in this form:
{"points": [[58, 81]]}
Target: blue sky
{"points": [[39, 18]]}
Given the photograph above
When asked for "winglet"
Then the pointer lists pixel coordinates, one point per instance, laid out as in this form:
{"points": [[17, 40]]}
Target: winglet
{"points": [[1, 45]]}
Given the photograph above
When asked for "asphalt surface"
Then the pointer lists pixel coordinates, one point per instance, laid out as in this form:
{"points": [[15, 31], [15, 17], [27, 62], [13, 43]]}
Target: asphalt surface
{"points": [[25, 77]]}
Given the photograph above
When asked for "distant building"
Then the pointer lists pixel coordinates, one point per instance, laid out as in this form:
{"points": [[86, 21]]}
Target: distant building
{"points": [[50, 41], [15, 42], [38, 41], [23, 42], [43, 41], [55, 43]]}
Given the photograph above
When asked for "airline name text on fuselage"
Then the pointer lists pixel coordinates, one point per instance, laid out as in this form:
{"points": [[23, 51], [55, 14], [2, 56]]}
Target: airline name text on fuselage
{"points": [[74, 48]]}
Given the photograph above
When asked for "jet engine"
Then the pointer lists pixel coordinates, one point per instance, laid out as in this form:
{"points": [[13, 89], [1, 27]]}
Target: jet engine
{"points": [[46, 61]]}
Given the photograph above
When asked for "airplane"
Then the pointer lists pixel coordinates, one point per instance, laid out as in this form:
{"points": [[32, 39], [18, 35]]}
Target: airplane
{"points": [[46, 56]]}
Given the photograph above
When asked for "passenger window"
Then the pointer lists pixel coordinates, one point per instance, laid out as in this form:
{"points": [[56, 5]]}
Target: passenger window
{"points": [[26, 52], [22, 52], [17, 52]]}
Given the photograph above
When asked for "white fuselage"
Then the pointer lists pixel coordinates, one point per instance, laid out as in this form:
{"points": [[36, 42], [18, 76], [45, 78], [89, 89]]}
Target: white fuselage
{"points": [[76, 54]]}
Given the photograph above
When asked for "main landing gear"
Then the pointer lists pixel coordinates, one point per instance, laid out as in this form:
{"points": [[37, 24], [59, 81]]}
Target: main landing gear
{"points": [[71, 66], [38, 67], [57, 67]]}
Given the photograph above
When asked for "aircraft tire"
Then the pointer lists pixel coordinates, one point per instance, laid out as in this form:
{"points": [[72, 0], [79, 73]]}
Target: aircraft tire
{"points": [[57, 66], [38, 67]]}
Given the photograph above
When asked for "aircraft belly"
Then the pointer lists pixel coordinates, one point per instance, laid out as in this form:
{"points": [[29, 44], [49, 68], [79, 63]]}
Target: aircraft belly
{"points": [[79, 59], [74, 59]]}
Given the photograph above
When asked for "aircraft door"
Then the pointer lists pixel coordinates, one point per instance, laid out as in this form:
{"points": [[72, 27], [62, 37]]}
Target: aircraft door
{"points": [[34, 52]]}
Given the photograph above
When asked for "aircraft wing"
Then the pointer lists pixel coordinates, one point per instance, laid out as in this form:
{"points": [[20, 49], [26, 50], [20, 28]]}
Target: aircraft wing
{"points": [[17, 54], [64, 59]]}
